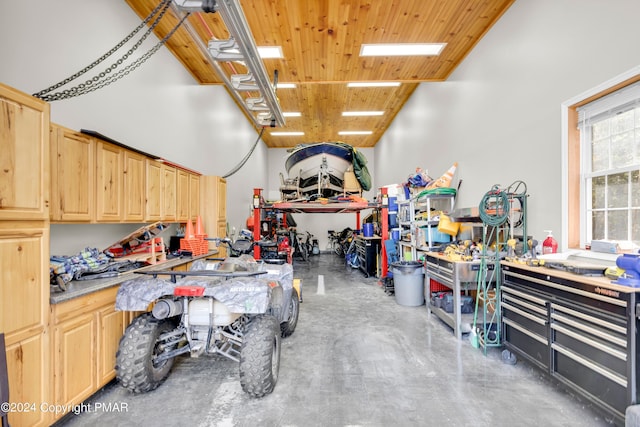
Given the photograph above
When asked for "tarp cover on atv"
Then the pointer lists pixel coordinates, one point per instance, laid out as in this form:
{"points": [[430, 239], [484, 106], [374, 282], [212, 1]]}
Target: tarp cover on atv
{"points": [[240, 294]]}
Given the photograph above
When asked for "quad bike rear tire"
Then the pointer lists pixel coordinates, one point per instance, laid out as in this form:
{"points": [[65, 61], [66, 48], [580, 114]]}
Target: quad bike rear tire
{"points": [[260, 356], [287, 327], [135, 369]]}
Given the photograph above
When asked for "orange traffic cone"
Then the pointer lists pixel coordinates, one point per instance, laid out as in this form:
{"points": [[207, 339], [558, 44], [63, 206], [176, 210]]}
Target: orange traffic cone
{"points": [[188, 233], [445, 179], [199, 229]]}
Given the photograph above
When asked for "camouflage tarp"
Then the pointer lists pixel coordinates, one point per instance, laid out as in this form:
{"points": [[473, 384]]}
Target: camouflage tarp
{"points": [[249, 294]]}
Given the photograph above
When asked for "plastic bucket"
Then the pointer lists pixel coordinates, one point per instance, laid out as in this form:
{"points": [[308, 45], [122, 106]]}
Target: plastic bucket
{"points": [[393, 219], [393, 204], [367, 229], [445, 225], [408, 282], [395, 234]]}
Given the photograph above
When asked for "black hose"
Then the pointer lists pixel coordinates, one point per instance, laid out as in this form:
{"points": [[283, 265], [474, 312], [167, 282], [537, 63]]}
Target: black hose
{"points": [[243, 161]]}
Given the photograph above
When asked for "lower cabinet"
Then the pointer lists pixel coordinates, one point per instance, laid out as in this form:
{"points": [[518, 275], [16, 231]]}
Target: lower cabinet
{"points": [[27, 365], [86, 333]]}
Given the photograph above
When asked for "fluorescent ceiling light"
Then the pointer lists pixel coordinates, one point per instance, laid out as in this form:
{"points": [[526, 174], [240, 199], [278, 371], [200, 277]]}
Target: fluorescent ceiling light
{"points": [[269, 52], [286, 86], [362, 113], [373, 84], [355, 132], [292, 114], [286, 133], [402, 49]]}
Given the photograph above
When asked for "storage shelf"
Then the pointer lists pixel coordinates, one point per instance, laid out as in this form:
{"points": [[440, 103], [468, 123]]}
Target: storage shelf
{"points": [[407, 221]]}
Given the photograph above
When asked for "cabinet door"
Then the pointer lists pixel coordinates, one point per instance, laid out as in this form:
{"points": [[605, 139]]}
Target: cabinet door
{"points": [[24, 290], [74, 359], [134, 186], [221, 229], [182, 196], [168, 184], [72, 175], [194, 196], [24, 298], [154, 191], [27, 365], [222, 199], [210, 209], [24, 163], [109, 165], [110, 328]]}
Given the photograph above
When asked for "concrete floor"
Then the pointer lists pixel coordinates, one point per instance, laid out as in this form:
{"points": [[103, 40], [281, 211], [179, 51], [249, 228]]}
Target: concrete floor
{"points": [[357, 358]]}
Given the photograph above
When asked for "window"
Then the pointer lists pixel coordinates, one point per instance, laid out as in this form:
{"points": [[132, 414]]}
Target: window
{"points": [[608, 159]]}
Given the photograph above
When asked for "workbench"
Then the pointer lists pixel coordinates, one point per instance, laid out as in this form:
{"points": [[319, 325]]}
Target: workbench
{"points": [[582, 331], [458, 276]]}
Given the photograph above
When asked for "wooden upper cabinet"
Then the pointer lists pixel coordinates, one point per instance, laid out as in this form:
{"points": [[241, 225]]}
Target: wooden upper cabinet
{"points": [[194, 196], [72, 175], [153, 195], [24, 158], [182, 196], [222, 199], [134, 186], [109, 182], [213, 195], [168, 185]]}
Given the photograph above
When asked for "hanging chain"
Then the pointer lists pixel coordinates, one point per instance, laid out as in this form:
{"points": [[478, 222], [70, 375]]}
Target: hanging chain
{"points": [[95, 83], [129, 68]]}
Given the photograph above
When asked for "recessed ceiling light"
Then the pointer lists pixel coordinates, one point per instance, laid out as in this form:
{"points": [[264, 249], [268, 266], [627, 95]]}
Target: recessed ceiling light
{"points": [[270, 52], [291, 113], [286, 133], [362, 113], [402, 49], [373, 84], [286, 86], [355, 132]]}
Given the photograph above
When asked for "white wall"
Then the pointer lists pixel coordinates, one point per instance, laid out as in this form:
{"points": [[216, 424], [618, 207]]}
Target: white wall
{"points": [[498, 114], [158, 108]]}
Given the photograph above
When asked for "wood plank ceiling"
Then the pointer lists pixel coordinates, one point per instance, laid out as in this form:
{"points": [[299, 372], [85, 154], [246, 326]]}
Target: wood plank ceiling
{"points": [[321, 41]]}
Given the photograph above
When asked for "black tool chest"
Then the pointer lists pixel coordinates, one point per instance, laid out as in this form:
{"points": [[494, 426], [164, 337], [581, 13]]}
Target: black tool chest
{"points": [[367, 249], [582, 331]]}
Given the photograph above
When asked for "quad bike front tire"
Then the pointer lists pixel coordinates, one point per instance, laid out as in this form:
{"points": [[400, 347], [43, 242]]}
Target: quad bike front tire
{"points": [[135, 369], [260, 356], [288, 326]]}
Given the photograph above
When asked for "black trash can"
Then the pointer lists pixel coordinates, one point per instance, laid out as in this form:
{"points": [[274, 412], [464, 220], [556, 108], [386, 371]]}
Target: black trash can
{"points": [[408, 282]]}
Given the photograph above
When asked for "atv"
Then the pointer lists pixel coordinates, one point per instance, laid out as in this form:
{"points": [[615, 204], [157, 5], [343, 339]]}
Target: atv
{"points": [[238, 307]]}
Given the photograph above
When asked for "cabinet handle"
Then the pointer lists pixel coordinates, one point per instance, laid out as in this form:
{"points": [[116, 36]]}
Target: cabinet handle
{"points": [[539, 310], [584, 362], [525, 331], [593, 331], [523, 295], [524, 314]]}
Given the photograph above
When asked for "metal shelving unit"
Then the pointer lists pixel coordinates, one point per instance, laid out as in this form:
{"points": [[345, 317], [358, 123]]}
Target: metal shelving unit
{"points": [[410, 225]]}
